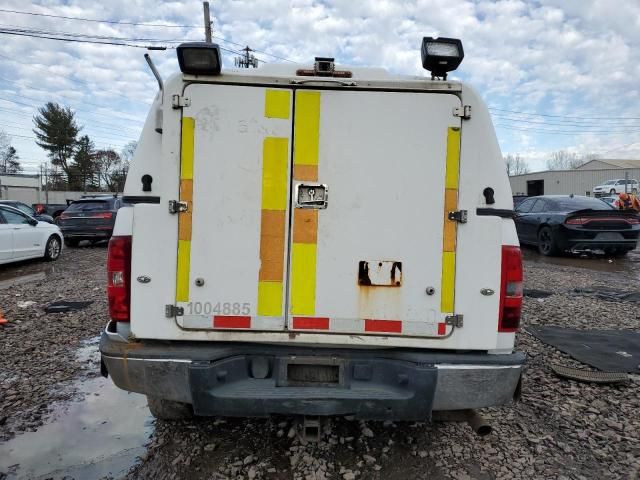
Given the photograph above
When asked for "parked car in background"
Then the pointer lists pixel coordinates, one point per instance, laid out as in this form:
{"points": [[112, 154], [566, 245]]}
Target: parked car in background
{"points": [[560, 223], [90, 218], [24, 208], [23, 237], [518, 199], [52, 209], [609, 200], [613, 187]]}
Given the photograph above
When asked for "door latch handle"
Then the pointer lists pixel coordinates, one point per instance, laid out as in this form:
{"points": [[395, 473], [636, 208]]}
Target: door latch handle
{"points": [[311, 195]]}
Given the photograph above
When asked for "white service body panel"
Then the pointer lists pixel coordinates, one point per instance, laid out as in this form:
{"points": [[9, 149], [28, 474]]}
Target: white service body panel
{"points": [[317, 216]]}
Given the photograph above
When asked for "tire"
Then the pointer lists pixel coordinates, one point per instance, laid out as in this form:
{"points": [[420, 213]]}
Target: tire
{"points": [[547, 245], [71, 242], [53, 248], [612, 191], [169, 410]]}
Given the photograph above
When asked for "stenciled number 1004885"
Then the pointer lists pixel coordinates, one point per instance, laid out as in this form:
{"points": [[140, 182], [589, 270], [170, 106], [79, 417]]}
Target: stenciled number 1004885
{"points": [[219, 308]]}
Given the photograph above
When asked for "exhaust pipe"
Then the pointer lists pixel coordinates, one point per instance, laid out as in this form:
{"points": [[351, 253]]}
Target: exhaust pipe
{"points": [[477, 422]]}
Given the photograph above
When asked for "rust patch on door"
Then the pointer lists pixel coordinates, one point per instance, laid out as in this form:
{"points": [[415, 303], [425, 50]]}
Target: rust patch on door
{"points": [[382, 273]]}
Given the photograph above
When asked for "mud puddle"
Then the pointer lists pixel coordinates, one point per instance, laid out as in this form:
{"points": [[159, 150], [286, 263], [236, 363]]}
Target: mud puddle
{"points": [[101, 435], [24, 272], [628, 264]]}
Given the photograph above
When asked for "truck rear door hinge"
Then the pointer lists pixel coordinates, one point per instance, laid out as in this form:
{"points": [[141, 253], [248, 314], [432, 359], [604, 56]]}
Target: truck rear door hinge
{"points": [[176, 206], [463, 112], [171, 311], [178, 101], [459, 216], [454, 320]]}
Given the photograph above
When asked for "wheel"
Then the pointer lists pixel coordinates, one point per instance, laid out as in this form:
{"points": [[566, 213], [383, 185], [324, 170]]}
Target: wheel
{"points": [[168, 409], [612, 191], [71, 242], [546, 243], [53, 248]]}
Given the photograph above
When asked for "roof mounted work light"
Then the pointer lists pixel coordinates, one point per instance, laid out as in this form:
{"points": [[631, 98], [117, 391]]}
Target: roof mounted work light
{"points": [[199, 58], [441, 55]]}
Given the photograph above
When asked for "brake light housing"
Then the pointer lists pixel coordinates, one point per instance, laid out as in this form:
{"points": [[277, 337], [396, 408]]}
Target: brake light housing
{"points": [[102, 215], [585, 220], [119, 278], [511, 289]]}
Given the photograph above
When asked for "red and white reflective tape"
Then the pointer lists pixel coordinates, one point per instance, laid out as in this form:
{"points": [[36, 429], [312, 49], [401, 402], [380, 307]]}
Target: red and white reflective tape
{"points": [[315, 324]]}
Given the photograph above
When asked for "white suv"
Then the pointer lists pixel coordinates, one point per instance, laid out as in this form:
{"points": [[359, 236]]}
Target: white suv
{"points": [[616, 186]]}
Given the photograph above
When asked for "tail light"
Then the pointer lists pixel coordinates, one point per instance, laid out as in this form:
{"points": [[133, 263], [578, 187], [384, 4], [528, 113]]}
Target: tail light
{"points": [[585, 220], [63, 216], [102, 215], [510, 289], [119, 278]]}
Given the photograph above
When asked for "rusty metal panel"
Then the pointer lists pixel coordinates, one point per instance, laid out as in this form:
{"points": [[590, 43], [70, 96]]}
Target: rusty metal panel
{"points": [[384, 273]]}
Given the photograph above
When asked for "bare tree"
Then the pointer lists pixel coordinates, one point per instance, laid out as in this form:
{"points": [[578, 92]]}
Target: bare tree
{"points": [[516, 165], [563, 160], [9, 160], [109, 167]]}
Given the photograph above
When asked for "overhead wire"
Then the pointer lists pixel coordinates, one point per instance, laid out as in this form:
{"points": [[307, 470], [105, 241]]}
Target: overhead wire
{"points": [[98, 21]]}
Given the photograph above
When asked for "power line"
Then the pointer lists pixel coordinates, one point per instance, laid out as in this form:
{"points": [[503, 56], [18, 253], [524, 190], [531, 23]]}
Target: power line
{"points": [[74, 40], [78, 109], [115, 22], [82, 19], [75, 80], [57, 94], [563, 116], [561, 132], [21, 29], [563, 123]]}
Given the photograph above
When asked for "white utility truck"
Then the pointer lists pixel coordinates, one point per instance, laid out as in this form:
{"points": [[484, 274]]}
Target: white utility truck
{"points": [[315, 240]]}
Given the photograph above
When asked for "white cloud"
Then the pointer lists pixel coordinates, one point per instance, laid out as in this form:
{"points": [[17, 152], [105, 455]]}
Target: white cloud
{"points": [[571, 58]]}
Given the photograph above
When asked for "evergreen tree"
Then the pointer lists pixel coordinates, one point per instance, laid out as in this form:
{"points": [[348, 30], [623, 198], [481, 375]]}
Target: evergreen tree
{"points": [[56, 131]]}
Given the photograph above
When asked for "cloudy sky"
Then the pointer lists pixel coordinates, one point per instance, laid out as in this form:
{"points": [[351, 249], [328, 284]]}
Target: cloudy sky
{"points": [[556, 74]]}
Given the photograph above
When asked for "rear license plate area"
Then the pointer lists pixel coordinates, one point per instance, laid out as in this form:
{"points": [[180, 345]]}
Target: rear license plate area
{"points": [[310, 372]]}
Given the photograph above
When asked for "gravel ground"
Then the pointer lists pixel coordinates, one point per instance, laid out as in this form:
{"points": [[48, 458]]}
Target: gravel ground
{"points": [[560, 429], [36, 348]]}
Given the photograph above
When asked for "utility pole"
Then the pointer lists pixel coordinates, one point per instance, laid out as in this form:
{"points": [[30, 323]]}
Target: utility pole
{"points": [[207, 22], [247, 60], [46, 185]]}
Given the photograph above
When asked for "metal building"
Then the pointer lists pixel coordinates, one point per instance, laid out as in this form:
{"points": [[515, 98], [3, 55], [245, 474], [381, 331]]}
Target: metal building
{"points": [[579, 181], [22, 187]]}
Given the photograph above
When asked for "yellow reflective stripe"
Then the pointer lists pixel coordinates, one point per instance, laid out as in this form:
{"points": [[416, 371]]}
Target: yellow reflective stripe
{"points": [[270, 299], [452, 174], [448, 281], [184, 219], [186, 158], [306, 128], [277, 104], [182, 280], [305, 224], [275, 157], [453, 158], [303, 278]]}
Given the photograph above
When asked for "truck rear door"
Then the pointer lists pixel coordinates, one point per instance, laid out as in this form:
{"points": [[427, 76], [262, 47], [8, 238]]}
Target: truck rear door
{"points": [[318, 211], [235, 182], [374, 177]]}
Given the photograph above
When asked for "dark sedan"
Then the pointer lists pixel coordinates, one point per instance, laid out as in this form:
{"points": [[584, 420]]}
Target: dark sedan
{"points": [[90, 218], [561, 223], [24, 208]]}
